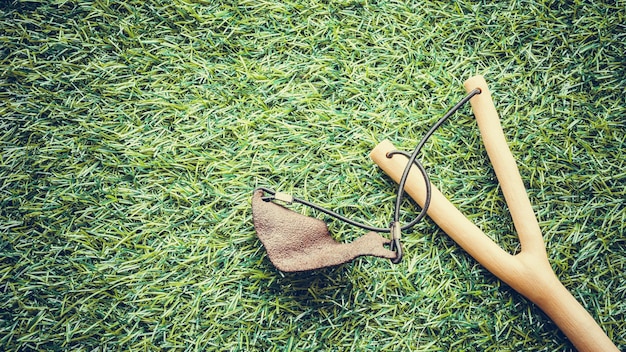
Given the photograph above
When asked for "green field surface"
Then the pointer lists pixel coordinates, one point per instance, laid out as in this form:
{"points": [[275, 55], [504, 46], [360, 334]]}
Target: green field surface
{"points": [[133, 133]]}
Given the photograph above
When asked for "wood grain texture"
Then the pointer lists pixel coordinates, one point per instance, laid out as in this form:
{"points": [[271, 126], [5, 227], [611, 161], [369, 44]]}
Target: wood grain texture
{"points": [[529, 272]]}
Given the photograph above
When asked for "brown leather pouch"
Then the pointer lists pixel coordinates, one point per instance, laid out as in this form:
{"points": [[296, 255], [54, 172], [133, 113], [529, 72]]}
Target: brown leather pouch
{"points": [[295, 242]]}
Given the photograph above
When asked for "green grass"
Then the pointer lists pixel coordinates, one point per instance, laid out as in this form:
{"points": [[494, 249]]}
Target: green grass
{"points": [[133, 133]]}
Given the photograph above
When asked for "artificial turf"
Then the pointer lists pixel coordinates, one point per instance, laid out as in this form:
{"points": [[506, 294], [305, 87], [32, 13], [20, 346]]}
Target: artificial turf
{"points": [[133, 133]]}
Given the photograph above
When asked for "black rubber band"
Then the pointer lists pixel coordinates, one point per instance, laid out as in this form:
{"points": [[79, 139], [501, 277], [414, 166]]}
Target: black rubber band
{"points": [[400, 193]]}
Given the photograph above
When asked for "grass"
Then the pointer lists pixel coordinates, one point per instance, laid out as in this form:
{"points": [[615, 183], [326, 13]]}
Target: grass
{"points": [[133, 133]]}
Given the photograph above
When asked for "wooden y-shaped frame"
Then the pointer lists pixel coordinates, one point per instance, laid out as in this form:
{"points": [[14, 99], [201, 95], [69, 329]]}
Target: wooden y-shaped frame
{"points": [[529, 271]]}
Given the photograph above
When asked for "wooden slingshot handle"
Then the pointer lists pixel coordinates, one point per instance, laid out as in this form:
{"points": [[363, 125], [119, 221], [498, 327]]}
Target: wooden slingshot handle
{"points": [[529, 271]]}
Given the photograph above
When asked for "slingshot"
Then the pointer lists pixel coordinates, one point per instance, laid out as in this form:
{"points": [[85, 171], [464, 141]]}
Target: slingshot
{"points": [[528, 272]]}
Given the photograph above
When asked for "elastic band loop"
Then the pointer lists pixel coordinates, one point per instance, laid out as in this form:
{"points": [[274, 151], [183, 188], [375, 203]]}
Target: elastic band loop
{"points": [[395, 228]]}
